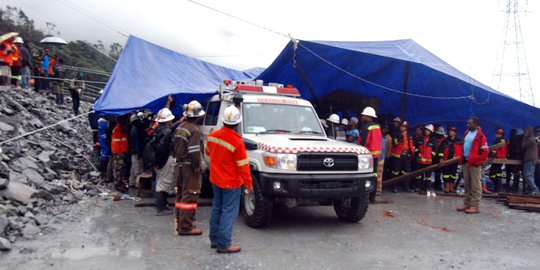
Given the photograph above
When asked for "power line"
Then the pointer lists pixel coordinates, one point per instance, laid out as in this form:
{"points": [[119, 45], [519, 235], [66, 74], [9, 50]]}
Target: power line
{"points": [[92, 16]]}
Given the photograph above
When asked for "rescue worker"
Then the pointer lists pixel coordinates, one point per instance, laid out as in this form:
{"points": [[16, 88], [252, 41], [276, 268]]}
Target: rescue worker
{"points": [[46, 59], [228, 173], [495, 172], [401, 154], [418, 135], [452, 147], [332, 121], [163, 164], [424, 153], [371, 138], [188, 160], [119, 148], [440, 136], [6, 61], [17, 61], [395, 128], [475, 153], [513, 151]]}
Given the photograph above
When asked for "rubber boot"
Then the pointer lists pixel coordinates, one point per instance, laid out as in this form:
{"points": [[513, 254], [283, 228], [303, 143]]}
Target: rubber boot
{"points": [[485, 190], [447, 187], [498, 184]]}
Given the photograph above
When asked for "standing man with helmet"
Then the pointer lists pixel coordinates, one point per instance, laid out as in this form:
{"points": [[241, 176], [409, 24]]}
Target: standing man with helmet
{"points": [[333, 120], [452, 147], [187, 156], [401, 154], [424, 152], [163, 163], [440, 136], [26, 61], [371, 138], [495, 172], [229, 171], [17, 61], [475, 153]]}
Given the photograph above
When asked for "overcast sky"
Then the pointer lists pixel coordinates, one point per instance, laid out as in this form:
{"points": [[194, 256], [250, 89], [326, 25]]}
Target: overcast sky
{"points": [[467, 34]]}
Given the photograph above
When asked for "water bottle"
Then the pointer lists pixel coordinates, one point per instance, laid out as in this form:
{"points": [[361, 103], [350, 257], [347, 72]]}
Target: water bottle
{"points": [[428, 193]]}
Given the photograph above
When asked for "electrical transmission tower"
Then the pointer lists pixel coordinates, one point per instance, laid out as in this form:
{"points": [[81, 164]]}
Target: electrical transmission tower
{"points": [[511, 72]]}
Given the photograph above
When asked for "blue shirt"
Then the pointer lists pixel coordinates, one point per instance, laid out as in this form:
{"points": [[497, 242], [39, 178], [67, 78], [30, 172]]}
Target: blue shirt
{"points": [[467, 143], [45, 65]]}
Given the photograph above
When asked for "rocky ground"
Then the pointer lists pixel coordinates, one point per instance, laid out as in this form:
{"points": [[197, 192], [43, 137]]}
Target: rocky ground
{"points": [[43, 172]]}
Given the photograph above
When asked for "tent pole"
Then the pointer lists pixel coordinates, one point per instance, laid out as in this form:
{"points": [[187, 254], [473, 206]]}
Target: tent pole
{"points": [[405, 85], [304, 78]]}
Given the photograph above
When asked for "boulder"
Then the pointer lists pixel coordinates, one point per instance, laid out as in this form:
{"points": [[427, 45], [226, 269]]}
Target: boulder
{"points": [[4, 183], [3, 223], [22, 163], [33, 176], [45, 157], [6, 127], [17, 177], [4, 244], [30, 230], [18, 192]]}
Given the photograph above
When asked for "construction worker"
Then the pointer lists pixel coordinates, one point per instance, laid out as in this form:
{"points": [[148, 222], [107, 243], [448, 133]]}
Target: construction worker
{"points": [[352, 132], [17, 61], [514, 151], [333, 122], [371, 138], [475, 153], [163, 164], [440, 136], [401, 154], [228, 173], [187, 156], [119, 150], [423, 147], [495, 172], [452, 147]]}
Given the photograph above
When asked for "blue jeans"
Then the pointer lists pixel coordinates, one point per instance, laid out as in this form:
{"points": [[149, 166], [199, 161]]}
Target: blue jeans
{"points": [[25, 74], [528, 174], [225, 209]]}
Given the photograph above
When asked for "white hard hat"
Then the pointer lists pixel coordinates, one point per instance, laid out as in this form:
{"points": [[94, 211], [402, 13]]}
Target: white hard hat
{"points": [[164, 115], [231, 116], [354, 119], [429, 127], [193, 109], [344, 121], [368, 111], [334, 118], [18, 40], [440, 131]]}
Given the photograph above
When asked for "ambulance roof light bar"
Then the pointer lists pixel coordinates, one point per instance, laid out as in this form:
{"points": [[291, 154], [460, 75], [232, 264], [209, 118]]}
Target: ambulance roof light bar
{"points": [[258, 87]]}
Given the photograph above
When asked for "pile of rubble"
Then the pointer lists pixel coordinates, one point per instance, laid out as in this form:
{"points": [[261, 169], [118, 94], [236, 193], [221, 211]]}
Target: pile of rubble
{"points": [[43, 172]]}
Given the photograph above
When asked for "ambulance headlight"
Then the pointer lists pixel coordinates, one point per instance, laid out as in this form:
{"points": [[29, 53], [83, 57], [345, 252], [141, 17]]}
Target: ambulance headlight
{"points": [[365, 163], [280, 161]]}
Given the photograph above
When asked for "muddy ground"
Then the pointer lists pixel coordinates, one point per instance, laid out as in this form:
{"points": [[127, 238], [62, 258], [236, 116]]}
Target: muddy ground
{"points": [[414, 232]]}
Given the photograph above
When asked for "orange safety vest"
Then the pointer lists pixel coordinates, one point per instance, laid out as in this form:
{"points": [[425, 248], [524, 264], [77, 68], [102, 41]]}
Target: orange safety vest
{"points": [[51, 65], [15, 56], [400, 145], [5, 56], [424, 150], [119, 142], [228, 158], [371, 138]]}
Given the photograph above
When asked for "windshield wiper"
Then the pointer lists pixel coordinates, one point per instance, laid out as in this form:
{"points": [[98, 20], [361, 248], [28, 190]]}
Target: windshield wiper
{"points": [[275, 131], [309, 132]]}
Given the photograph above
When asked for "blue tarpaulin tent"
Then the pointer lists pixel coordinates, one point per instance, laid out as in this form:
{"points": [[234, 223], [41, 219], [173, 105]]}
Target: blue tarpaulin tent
{"points": [[146, 74], [407, 79]]}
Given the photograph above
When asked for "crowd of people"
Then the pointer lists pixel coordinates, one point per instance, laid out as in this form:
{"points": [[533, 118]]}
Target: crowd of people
{"points": [[399, 149], [22, 67], [171, 148]]}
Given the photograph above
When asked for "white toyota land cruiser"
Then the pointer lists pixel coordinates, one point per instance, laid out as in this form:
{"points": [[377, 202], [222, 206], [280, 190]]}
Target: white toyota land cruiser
{"points": [[291, 159]]}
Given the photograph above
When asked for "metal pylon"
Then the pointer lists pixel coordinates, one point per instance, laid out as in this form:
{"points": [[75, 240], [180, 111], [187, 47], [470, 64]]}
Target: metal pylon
{"points": [[511, 71]]}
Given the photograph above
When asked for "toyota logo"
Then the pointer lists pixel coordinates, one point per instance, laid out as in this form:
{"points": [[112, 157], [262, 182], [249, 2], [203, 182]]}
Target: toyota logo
{"points": [[328, 162]]}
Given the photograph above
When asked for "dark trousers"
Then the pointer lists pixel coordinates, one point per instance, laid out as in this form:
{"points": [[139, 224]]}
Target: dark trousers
{"points": [[225, 209], [513, 172], [76, 100], [424, 180], [188, 190], [401, 166], [449, 173], [537, 175], [495, 174]]}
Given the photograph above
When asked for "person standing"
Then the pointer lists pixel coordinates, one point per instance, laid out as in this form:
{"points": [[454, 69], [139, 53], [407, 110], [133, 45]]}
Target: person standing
{"points": [[188, 160], [163, 165], [537, 170], [513, 172], [46, 61], [26, 65], [371, 138], [119, 148], [424, 152], [401, 154], [76, 87], [17, 61], [495, 172], [228, 173], [475, 153], [105, 151], [6, 61], [452, 147], [440, 136], [530, 158]]}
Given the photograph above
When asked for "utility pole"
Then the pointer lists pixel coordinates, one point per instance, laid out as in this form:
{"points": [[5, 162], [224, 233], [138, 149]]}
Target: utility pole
{"points": [[511, 71]]}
